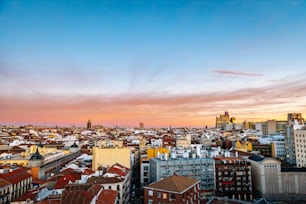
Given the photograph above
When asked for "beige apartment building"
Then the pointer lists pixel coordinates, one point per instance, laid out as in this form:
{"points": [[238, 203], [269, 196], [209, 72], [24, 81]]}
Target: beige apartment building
{"points": [[107, 156]]}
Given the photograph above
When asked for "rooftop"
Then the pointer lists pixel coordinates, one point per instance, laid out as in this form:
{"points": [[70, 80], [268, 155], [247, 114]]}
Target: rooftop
{"points": [[175, 183]]}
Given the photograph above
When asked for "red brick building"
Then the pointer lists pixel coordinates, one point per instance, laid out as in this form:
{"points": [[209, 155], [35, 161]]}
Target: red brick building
{"points": [[233, 178], [169, 140], [173, 189]]}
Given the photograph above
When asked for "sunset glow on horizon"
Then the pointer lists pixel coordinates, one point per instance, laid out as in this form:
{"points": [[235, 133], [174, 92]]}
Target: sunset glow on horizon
{"points": [[178, 63]]}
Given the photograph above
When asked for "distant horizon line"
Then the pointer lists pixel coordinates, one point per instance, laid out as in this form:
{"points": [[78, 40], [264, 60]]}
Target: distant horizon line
{"points": [[126, 126]]}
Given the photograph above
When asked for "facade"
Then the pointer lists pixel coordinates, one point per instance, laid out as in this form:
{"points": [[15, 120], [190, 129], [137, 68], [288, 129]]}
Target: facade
{"points": [[293, 117], [293, 184], [281, 126], [42, 161], [269, 127], [233, 178], [118, 178], [266, 176], [300, 147], [264, 149], [168, 140], [153, 152], [295, 121], [5, 191], [183, 142], [173, 189], [222, 120], [109, 156], [15, 180], [275, 183], [202, 169], [278, 149], [144, 171]]}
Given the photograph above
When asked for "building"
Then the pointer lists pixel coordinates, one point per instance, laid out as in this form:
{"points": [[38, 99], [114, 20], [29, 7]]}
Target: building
{"points": [[168, 140], [173, 189], [263, 149], [117, 177], [266, 176], [15, 182], [107, 197], [81, 193], [269, 127], [278, 149], [43, 161], [300, 146], [88, 125], [141, 125], [233, 178], [144, 171], [292, 117], [153, 152], [222, 120], [183, 142], [106, 157], [5, 191], [281, 126], [273, 182], [202, 169], [295, 121], [293, 184]]}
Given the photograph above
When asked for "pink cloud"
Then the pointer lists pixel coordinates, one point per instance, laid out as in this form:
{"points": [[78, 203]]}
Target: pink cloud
{"points": [[155, 109], [236, 73]]}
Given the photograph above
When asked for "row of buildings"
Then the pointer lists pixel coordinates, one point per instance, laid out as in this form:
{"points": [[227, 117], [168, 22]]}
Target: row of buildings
{"points": [[236, 164]]}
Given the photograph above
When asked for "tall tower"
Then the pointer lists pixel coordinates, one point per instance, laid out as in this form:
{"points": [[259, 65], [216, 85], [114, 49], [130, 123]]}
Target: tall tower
{"points": [[88, 124], [141, 126]]}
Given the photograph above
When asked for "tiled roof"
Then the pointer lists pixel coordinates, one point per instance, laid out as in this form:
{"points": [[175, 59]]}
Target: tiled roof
{"points": [[38, 181], [104, 180], [174, 183], [88, 171], [29, 195], [118, 169], [4, 183], [80, 194], [107, 197], [50, 201], [15, 176], [66, 179]]}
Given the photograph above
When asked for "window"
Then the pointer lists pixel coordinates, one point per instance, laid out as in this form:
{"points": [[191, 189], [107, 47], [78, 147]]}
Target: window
{"points": [[150, 201], [158, 194], [150, 193], [164, 195], [172, 196]]}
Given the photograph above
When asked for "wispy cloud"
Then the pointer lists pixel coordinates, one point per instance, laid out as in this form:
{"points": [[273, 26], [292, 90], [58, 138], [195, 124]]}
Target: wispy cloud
{"points": [[157, 110], [237, 73]]}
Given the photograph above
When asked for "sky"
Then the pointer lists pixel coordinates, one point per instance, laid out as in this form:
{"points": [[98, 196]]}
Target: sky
{"points": [[178, 63]]}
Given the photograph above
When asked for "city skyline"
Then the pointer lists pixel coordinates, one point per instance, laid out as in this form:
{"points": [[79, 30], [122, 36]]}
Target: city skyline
{"points": [[179, 63]]}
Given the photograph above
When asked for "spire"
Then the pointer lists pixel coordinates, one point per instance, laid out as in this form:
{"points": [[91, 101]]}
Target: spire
{"points": [[74, 145], [36, 155]]}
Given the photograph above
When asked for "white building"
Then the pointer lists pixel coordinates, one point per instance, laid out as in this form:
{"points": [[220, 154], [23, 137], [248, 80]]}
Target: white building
{"points": [[300, 147]]}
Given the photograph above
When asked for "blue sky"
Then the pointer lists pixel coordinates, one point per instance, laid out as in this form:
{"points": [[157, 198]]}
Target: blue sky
{"points": [[116, 53]]}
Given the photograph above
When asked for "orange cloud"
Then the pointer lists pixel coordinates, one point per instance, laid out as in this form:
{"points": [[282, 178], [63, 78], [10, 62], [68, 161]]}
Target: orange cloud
{"points": [[197, 109]]}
